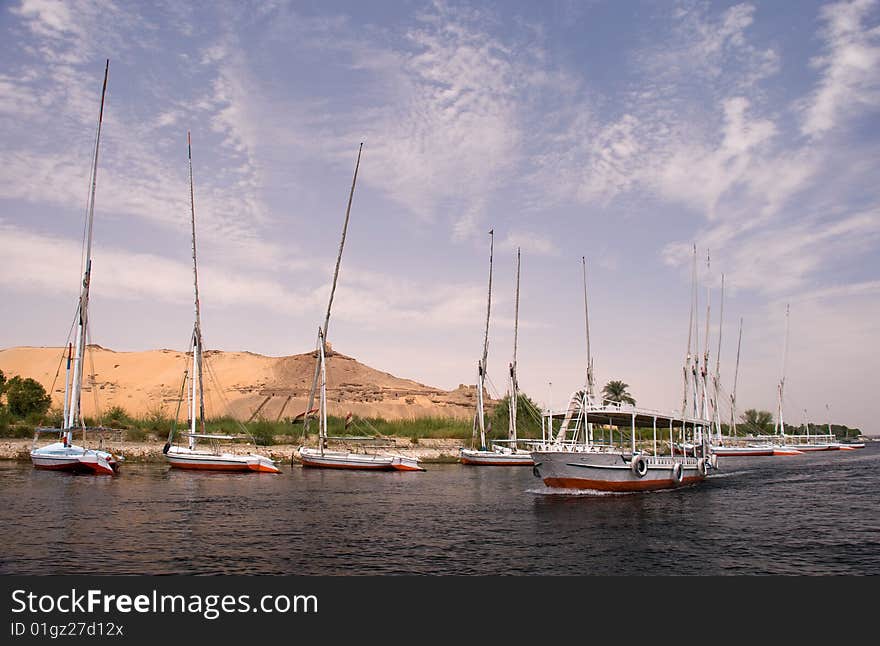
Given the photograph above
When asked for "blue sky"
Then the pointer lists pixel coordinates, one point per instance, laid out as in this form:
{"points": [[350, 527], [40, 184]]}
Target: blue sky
{"points": [[623, 132]]}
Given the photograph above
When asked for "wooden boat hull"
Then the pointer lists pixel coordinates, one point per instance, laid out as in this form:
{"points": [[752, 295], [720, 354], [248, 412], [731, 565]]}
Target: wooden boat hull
{"points": [[614, 472], [495, 458], [183, 458], [76, 459]]}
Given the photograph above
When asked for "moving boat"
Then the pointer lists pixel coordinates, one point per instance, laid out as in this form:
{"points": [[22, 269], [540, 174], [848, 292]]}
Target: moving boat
{"points": [[212, 458], [64, 455], [504, 453], [601, 464], [616, 467], [320, 456]]}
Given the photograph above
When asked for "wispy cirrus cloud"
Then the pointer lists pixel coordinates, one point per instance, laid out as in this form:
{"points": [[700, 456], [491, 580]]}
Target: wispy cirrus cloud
{"points": [[530, 242], [849, 82], [131, 276]]}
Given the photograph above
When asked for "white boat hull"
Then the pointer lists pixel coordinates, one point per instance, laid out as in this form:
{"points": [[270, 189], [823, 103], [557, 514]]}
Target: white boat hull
{"points": [[184, 458], [742, 451], [803, 448], [496, 458], [364, 461], [614, 472], [58, 457]]}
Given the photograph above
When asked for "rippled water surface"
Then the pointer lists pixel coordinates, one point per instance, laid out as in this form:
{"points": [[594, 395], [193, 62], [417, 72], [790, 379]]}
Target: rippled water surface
{"points": [[810, 514]]}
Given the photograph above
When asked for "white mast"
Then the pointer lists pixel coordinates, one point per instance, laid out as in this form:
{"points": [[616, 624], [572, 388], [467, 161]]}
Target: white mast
{"points": [[198, 391], [705, 368], [481, 367], [780, 421], [322, 332], [688, 357], [322, 420], [67, 383], [512, 402], [735, 377], [716, 408], [590, 391], [73, 412]]}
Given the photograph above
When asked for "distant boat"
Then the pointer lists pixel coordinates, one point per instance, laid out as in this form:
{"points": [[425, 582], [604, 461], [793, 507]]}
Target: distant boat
{"points": [[64, 455], [795, 441], [213, 458], [751, 449], [502, 453], [321, 456]]}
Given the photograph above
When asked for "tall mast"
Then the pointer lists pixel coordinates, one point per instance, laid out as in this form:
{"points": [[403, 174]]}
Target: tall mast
{"points": [[73, 412], [198, 391], [322, 420], [481, 368], [780, 421], [716, 407], [688, 356], [590, 382], [512, 403], [323, 330], [735, 377], [705, 369]]}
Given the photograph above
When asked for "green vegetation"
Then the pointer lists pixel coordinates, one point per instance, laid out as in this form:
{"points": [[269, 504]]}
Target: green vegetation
{"points": [[27, 406], [616, 391], [757, 421], [26, 396], [528, 418]]}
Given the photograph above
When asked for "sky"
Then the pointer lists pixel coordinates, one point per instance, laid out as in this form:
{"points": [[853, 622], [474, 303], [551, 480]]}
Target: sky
{"points": [[622, 132]]}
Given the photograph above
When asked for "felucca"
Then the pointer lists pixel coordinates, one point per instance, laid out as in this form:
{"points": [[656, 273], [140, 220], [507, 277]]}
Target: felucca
{"points": [[189, 456], [320, 456], [64, 455], [503, 452]]}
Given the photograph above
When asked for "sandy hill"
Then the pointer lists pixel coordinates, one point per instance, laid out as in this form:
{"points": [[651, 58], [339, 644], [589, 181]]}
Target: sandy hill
{"points": [[241, 384]]}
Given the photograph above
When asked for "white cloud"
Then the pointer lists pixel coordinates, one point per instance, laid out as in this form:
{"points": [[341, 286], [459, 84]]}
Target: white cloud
{"points": [[531, 243], [850, 82]]}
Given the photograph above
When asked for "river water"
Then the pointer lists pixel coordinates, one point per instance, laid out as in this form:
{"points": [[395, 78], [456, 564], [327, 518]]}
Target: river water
{"points": [[815, 514]]}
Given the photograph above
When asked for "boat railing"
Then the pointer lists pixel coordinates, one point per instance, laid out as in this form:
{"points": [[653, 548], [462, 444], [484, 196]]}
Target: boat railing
{"points": [[208, 436], [809, 439]]}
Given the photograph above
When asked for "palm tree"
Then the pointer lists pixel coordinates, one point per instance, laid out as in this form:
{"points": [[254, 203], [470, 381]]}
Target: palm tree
{"points": [[615, 391]]}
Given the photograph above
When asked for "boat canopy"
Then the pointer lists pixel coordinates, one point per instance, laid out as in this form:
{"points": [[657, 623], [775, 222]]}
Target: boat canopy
{"points": [[616, 415]]}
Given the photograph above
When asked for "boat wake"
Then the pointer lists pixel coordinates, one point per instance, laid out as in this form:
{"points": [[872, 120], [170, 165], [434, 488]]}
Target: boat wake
{"points": [[727, 474], [560, 491]]}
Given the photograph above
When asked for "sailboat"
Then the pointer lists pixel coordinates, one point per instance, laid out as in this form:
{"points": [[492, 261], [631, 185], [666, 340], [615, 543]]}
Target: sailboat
{"points": [[189, 456], [723, 449], [503, 452], [64, 455], [321, 456], [793, 442]]}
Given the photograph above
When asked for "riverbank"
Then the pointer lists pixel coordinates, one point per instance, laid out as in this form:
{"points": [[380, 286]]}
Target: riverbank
{"points": [[428, 450]]}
